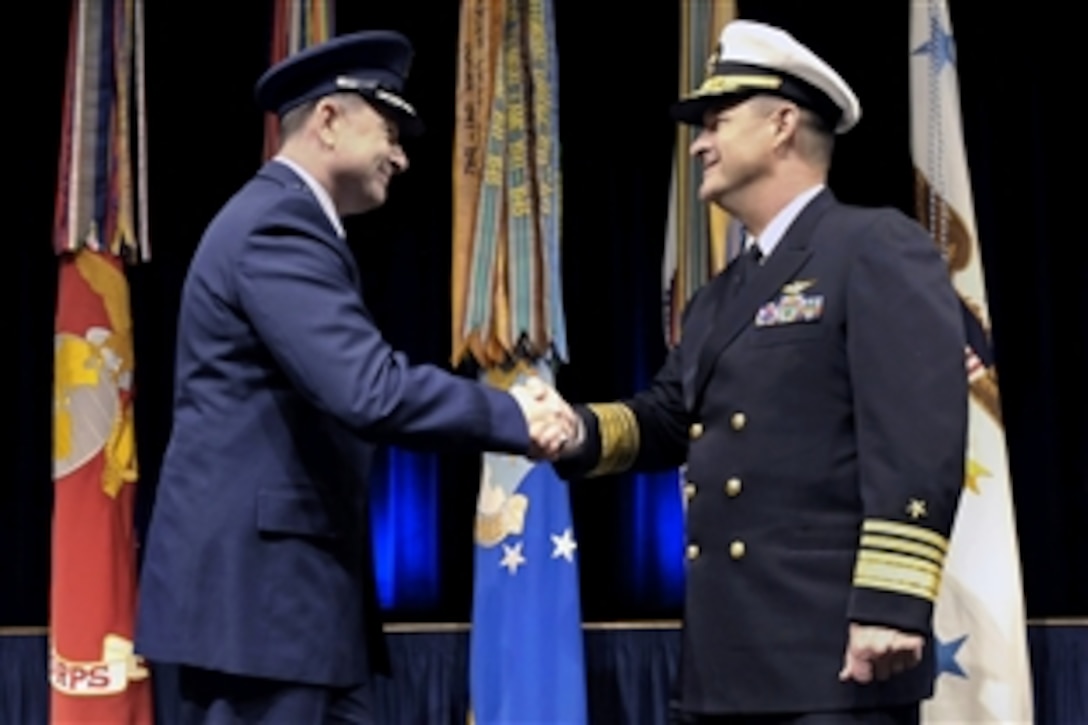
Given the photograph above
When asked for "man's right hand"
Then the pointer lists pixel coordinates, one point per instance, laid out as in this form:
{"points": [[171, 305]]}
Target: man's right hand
{"points": [[552, 423]]}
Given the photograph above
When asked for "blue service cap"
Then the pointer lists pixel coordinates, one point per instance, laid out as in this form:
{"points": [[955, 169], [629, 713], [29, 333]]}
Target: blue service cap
{"points": [[372, 63]]}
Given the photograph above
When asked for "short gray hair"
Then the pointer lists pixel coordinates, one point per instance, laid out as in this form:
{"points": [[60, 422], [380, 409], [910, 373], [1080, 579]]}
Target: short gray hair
{"points": [[293, 119], [815, 140]]}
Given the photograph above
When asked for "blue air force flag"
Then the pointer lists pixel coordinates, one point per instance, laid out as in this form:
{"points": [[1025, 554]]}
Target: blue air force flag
{"points": [[983, 673], [526, 657]]}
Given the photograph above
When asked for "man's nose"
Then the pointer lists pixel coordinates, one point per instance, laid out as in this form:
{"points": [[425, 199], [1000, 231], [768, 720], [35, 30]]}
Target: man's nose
{"points": [[399, 159], [699, 144]]}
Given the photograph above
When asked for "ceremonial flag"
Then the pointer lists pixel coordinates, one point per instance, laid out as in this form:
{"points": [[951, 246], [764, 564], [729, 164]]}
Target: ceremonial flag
{"points": [[94, 674], [507, 289], [526, 654], [296, 24], [983, 672], [526, 640], [700, 238]]}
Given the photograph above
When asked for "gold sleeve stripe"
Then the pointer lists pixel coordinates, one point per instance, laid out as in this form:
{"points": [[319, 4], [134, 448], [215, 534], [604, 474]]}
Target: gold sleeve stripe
{"points": [[896, 578], [894, 587], [890, 543], [619, 437], [904, 562], [907, 531]]}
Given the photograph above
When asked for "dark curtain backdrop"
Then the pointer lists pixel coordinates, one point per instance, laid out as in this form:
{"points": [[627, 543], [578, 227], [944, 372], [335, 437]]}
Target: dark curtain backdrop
{"points": [[617, 77]]}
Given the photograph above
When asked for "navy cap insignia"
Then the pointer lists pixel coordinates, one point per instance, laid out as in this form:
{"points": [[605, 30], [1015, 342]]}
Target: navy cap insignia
{"points": [[712, 60]]}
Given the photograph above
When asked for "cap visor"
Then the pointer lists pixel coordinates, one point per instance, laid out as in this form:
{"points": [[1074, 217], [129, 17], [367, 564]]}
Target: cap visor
{"points": [[410, 126], [408, 123], [692, 109]]}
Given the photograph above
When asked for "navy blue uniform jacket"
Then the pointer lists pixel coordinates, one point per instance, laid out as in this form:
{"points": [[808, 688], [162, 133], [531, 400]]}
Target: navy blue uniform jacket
{"points": [[821, 412], [258, 555]]}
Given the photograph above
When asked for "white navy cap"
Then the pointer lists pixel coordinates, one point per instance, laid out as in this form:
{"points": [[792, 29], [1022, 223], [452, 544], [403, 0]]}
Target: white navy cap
{"points": [[753, 58]]}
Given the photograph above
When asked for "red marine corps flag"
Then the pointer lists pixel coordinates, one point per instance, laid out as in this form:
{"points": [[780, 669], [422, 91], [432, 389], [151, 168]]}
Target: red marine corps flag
{"points": [[95, 676]]}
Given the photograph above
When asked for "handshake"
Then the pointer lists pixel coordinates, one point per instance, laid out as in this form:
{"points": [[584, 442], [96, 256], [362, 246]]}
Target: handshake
{"points": [[554, 428]]}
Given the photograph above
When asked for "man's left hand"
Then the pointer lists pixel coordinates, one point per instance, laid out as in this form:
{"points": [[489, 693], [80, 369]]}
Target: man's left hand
{"points": [[874, 652]]}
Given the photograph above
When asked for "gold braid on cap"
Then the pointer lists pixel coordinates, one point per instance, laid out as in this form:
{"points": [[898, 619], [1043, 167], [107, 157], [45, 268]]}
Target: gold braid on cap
{"points": [[716, 84], [618, 430]]}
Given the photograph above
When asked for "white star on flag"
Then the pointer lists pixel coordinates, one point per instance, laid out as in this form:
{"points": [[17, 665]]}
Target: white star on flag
{"points": [[512, 557], [564, 545]]}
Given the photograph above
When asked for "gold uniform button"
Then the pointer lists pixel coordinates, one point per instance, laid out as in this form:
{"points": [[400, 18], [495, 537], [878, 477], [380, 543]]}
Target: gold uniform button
{"points": [[736, 549], [689, 490], [693, 551], [696, 430], [738, 421], [732, 486]]}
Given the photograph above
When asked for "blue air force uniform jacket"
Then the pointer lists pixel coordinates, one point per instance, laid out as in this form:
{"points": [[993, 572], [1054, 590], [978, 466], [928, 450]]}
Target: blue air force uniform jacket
{"points": [[258, 557], [821, 412]]}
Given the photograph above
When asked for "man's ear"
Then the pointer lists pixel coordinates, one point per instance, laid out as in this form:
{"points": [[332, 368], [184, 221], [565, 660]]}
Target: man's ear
{"points": [[326, 114], [787, 120]]}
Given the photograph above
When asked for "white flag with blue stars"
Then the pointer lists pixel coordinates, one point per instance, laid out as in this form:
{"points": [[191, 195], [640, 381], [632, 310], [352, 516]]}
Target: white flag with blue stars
{"points": [[983, 675]]}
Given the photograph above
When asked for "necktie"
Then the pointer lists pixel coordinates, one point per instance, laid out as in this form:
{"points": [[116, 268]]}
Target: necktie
{"points": [[747, 263]]}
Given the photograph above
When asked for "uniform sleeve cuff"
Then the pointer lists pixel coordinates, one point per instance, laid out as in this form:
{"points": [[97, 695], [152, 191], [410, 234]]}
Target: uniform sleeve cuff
{"points": [[619, 436], [897, 573]]}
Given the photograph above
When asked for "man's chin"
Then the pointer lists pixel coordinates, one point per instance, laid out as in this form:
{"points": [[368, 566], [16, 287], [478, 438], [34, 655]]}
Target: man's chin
{"points": [[377, 197], [362, 206]]}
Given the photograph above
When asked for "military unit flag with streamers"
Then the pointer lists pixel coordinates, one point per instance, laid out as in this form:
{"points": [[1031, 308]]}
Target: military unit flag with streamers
{"points": [[700, 238], [100, 224], [296, 24], [526, 641]]}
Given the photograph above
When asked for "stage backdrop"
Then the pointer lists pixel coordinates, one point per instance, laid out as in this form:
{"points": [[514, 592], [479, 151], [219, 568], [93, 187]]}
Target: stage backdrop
{"points": [[618, 76]]}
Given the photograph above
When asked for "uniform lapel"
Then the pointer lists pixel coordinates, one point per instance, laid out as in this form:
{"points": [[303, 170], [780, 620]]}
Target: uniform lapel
{"points": [[699, 326], [732, 316]]}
